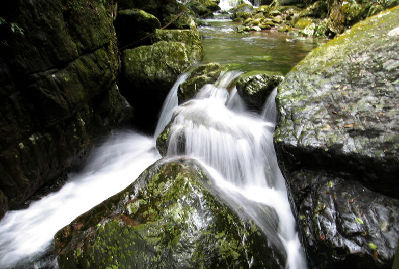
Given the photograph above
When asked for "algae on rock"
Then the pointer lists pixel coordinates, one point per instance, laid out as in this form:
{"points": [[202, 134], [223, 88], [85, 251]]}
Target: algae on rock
{"points": [[338, 123], [171, 217]]}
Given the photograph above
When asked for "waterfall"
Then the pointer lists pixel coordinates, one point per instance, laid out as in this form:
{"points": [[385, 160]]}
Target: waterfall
{"points": [[236, 148], [228, 4], [26, 234]]}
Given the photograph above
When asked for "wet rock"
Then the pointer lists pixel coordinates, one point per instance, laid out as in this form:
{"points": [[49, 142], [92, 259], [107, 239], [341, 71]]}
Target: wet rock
{"points": [[302, 23], [318, 9], [170, 217], [343, 223], [241, 11], [338, 130], [203, 8], [148, 72], [57, 89], [199, 76], [133, 25], [255, 87], [189, 37]]}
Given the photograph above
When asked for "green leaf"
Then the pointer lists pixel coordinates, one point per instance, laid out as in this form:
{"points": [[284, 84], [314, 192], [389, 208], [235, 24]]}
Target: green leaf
{"points": [[372, 246], [359, 221], [2, 21], [330, 183]]}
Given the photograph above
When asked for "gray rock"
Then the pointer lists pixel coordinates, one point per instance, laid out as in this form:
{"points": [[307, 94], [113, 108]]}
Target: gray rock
{"points": [[255, 87], [337, 144]]}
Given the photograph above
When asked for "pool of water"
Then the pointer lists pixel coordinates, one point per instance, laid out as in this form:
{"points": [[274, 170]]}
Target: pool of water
{"points": [[265, 50]]}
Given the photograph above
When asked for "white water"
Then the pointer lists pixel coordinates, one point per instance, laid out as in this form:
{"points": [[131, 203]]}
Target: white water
{"points": [[237, 150], [235, 147], [228, 4], [27, 233]]}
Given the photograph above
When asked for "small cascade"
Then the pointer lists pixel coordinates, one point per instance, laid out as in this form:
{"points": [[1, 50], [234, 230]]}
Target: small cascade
{"points": [[226, 5], [236, 148], [27, 234]]}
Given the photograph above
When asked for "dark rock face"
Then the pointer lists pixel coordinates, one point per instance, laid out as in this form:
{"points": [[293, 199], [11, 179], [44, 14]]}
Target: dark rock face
{"points": [[199, 76], [342, 222], [148, 72], [203, 8], [337, 136], [170, 217], [57, 89], [133, 26], [255, 87]]}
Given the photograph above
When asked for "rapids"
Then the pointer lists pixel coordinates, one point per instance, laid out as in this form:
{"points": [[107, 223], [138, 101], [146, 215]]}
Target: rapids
{"points": [[233, 145]]}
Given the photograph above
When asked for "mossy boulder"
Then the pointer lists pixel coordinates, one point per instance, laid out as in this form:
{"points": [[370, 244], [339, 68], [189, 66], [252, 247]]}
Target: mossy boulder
{"points": [[148, 73], [255, 87], [338, 117], [170, 217], [189, 37], [133, 26], [304, 22], [203, 8], [58, 90], [199, 76]]}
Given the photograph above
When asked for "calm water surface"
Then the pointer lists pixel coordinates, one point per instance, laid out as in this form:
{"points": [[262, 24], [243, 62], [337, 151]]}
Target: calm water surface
{"points": [[266, 50]]}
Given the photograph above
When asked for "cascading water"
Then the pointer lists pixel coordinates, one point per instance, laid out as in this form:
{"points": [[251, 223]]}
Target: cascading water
{"points": [[26, 234], [228, 4], [236, 148]]}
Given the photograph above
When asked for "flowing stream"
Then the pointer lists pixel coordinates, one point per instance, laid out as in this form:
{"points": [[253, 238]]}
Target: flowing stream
{"points": [[234, 146]]}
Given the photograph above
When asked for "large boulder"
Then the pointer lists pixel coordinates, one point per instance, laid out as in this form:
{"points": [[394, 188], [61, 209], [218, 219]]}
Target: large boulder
{"points": [[338, 123], [199, 77], [255, 87], [134, 26], [148, 72], [169, 12], [203, 8], [170, 217], [58, 90]]}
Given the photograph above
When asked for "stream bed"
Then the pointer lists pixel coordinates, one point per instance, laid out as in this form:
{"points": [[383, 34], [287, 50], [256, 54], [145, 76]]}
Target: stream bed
{"points": [[27, 234]]}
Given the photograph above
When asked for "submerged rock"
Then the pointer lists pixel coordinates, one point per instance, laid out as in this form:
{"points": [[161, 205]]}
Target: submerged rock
{"points": [[338, 130], [170, 217], [255, 87], [199, 76]]}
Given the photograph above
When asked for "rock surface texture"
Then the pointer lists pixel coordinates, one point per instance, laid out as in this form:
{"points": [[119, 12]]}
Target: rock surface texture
{"points": [[58, 70], [255, 87], [337, 142], [170, 217]]}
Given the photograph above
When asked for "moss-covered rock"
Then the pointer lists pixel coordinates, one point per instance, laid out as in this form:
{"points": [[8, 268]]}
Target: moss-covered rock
{"points": [[133, 25], [203, 8], [255, 87], [57, 89], [189, 37], [338, 121], [199, 76], [170, 217], [148, 73], [302, 23], [167, 11]]}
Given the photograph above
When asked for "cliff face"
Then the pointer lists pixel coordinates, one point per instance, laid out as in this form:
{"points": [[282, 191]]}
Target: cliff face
{"points": [[58, 90]]}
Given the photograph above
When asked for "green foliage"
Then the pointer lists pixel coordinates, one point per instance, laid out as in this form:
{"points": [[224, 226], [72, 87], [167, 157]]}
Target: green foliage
{"points": [[15, 28]]}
